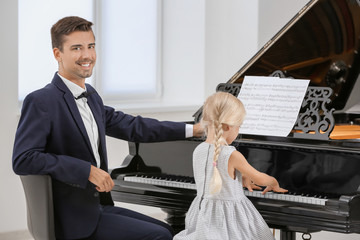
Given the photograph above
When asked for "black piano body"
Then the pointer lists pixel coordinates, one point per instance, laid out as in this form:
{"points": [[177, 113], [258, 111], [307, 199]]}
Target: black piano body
{"points": [[320, 43]]}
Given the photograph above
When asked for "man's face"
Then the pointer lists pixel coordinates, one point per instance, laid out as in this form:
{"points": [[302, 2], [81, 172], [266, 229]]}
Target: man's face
{"points": [[78, 57]]}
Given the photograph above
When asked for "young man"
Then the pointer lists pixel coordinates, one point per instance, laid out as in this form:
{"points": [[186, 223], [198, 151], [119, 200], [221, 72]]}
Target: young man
{"points": [[62, 133]]}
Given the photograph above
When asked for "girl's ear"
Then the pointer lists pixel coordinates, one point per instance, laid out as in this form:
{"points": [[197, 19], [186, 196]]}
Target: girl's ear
{"points": [[225, 127]]}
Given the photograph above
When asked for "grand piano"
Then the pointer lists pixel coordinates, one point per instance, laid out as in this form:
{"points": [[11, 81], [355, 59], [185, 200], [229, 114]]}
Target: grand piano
{"points": [[319, 162]]}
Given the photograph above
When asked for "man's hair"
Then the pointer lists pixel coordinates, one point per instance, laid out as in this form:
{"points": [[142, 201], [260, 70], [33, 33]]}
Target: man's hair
{"points": [[66, 26]]}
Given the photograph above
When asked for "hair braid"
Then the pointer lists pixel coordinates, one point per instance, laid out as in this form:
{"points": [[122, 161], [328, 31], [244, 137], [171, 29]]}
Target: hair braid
{"points": [[216, 181]]}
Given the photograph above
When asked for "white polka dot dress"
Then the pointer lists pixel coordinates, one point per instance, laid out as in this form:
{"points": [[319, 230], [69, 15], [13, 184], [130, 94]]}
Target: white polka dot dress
{"points": [[226, 215]]}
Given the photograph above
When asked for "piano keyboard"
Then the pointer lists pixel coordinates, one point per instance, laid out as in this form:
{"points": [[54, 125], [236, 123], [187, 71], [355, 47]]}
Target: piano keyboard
{"points": [[188, 183]]}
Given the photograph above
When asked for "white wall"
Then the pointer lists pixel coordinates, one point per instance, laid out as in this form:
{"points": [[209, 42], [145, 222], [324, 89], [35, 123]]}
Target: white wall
{"points": [[12, 205], [208, 39], [231, 39]]}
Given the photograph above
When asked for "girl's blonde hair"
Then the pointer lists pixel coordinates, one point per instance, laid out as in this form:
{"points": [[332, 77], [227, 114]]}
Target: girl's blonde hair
{"points": [[221, 108]]}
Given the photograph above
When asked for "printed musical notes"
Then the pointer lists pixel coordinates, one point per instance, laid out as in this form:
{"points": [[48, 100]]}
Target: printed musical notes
{"points": [[272, 104]]}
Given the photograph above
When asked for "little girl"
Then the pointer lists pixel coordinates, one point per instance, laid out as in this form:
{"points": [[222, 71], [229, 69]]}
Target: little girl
{"points": [[221, 210]]}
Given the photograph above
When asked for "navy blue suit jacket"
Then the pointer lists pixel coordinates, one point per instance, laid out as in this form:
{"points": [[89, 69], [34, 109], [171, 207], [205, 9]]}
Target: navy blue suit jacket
{"points": [[51, 139]]}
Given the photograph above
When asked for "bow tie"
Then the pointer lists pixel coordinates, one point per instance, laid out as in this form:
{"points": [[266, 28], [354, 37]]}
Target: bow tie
{"points": [[84, 95]]}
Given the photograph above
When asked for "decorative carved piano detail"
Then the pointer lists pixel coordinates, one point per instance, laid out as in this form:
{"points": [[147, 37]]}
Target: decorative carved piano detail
{"points": [[314, 115], [321, 43]]}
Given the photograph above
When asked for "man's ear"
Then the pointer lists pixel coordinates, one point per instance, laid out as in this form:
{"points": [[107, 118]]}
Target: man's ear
{"points": [[57, 56]]}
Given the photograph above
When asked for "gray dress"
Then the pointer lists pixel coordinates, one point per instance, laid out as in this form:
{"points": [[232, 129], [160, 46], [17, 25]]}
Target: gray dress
{"points": [[226, 215]]}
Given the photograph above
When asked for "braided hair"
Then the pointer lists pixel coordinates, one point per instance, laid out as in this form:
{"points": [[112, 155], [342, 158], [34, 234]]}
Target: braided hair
{"points": [[220, 108]]}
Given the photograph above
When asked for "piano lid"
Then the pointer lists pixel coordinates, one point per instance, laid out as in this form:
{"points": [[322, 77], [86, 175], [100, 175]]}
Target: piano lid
{"points": [[321, 43]]}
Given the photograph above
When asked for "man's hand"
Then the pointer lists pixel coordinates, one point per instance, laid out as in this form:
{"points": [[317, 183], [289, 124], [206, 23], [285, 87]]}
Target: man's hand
{"points": [[101, 179], [198, 130]]}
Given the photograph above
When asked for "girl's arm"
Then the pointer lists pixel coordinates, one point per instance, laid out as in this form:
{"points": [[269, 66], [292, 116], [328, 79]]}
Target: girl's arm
{"points": [[237, 161]]}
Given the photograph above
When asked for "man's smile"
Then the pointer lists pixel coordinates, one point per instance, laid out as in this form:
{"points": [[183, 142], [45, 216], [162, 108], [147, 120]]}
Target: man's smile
{"points": [[85, 64]]}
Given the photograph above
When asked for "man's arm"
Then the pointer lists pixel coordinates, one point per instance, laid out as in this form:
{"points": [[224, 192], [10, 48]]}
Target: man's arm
{"points": [[140, 129]]}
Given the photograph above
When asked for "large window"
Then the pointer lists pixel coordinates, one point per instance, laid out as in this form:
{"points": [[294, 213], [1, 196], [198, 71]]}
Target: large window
{"points": [[129, 49], [36, 62]]}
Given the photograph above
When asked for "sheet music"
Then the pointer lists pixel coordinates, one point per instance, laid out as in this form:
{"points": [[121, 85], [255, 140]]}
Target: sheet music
{"points": [[272, 104]]}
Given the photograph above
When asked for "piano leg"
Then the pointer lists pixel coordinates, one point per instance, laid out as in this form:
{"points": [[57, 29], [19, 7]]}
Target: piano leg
{"points": [[176, 219], [287, 235]]}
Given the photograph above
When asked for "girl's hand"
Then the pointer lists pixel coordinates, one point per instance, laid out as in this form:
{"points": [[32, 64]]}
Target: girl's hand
{"points": [[275, 188], [250, 185]]}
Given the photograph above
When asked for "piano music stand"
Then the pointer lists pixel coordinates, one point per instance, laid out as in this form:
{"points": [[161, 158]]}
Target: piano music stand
{"points": [[314, 121]]}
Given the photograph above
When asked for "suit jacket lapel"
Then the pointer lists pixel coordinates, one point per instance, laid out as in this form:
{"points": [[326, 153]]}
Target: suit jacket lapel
{"points": [[70, 101], [97, 113]]}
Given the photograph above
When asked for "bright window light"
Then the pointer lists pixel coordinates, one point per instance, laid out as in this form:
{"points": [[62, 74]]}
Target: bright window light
{"points": [[129, 52]]}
